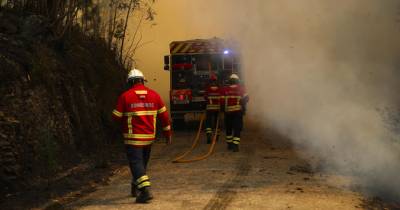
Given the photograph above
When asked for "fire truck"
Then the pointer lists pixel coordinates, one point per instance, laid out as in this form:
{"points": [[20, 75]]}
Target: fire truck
{"points": [[191, 63]]}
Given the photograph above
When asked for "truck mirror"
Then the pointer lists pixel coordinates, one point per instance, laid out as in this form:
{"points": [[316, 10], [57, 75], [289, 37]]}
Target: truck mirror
{"points": [[166, 67], [166, 60]]}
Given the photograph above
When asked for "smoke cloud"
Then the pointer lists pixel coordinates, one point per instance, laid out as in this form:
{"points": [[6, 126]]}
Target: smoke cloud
{"points": [[326, 74]]}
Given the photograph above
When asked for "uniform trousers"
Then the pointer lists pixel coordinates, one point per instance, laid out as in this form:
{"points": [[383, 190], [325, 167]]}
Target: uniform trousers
{"points": [[138, 158]]}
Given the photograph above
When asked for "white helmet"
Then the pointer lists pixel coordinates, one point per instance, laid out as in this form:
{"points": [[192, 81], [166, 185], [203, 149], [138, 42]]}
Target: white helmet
{"points": [[135, 74], [234, 76]]}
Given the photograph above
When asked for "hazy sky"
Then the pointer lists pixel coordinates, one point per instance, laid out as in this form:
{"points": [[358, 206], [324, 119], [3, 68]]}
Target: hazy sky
{"points": [[174, 21]]}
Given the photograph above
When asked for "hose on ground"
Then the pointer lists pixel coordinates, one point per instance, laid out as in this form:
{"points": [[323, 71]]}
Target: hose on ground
{"points": [[179, 159]]}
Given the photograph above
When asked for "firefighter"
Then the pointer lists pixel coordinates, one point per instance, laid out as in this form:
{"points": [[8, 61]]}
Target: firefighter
{"points": [[212, 96], [137, 109], [233, 100]]}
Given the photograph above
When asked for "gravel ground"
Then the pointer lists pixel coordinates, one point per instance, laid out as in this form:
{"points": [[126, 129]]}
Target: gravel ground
{"points": [[266, 174]]}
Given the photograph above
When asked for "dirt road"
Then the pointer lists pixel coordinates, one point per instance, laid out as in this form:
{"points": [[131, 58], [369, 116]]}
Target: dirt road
{"points": [[266, 174]]}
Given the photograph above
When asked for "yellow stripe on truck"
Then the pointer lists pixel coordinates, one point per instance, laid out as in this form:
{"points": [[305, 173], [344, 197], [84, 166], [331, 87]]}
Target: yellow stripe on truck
{"points": [[177, 49], [186, 48]]}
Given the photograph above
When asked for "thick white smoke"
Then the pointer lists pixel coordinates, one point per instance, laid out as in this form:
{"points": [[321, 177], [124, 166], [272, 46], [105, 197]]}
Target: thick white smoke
{"points": [[323, 73]]}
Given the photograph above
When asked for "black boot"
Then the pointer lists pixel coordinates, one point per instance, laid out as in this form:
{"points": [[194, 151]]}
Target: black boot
{"points": [[235, 147], [144, 195], [209, 136], [133, 190]]}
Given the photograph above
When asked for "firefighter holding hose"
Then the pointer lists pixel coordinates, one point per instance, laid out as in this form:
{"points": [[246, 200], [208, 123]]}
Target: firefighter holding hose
{"points": [[233, 101], [212, 96], [137, 109]]}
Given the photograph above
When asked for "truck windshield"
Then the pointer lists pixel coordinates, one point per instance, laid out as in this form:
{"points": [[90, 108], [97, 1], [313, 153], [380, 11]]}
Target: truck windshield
{"points": [[180, 59], [205, 62], [182, 62], [193, 71], [231, 63]]}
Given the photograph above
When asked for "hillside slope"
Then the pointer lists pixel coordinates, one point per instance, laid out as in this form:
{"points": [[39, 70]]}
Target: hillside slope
{"points": [[55, 100]]}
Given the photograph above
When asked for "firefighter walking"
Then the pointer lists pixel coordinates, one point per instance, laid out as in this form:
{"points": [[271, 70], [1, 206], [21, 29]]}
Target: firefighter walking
{"points": [[137, 109], [212, 96], [233, 100]]}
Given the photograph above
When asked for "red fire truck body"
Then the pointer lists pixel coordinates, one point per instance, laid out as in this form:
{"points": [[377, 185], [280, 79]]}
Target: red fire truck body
{"points": [[191, 63]]}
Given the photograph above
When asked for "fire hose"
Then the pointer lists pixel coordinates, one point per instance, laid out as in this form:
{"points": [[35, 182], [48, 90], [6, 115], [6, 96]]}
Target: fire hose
{"points": [[179, 159]]}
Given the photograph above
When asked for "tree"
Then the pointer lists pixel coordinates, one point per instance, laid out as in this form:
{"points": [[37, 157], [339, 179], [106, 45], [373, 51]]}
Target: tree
{"points": [[89, 16], [119, 16]]}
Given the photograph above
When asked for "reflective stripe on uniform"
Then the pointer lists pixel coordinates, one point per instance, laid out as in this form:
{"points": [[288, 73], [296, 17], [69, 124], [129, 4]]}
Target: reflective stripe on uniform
{"points": [[208, 130], [236, 140], [144, 184], [229, 139], [129, 123], [238, 97], [214, 97], [230, 108], [167, 128], [139, 136], [154, 124], [213, 107], [117, 113], [140, 113], [142, 178], [130, 133], [143, 181], [233, 108], [163, 109], [138, 143], [141, 92]]}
